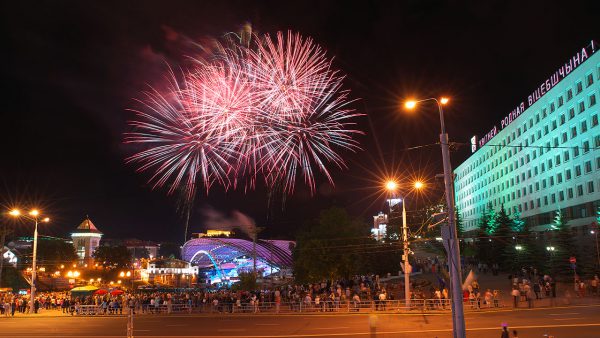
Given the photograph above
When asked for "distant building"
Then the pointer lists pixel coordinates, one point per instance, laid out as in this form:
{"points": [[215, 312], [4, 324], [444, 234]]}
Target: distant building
{"points": [[380, 222], [138, 248], [213, 233], [86, 238], [170, 272], [10, 256]]}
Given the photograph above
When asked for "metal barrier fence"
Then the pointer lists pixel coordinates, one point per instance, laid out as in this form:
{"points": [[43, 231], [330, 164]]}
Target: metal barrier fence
{"points": [[290, 307], [351, 306]]}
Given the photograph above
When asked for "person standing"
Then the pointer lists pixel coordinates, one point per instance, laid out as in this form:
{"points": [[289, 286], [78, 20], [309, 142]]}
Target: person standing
{"points": [[515, 294]]}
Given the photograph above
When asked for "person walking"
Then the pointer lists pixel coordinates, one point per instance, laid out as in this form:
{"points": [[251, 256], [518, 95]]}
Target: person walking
{"points": [[505, 333]]}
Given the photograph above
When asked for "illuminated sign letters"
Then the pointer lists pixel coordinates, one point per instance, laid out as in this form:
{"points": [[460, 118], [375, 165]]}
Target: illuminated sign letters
{"points": [[540, 91]]}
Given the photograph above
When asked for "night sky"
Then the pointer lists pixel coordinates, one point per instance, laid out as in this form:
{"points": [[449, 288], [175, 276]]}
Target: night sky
{"points": [[72, 69]]}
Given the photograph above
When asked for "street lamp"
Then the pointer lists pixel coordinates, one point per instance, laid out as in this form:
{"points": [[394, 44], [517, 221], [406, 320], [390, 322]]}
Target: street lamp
{"points": [[451, 235], [391, 187], [34, 215]]}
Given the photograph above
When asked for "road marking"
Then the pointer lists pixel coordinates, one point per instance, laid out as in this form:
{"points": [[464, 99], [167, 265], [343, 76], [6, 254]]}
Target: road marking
{"points": [[231, 330], [568, 318], [267, 324], [177, 324], [328, 328], [562, 314]]}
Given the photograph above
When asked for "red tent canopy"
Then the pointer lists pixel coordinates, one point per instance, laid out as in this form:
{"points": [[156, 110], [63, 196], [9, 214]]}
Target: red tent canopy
{"points": [[116, 292]]}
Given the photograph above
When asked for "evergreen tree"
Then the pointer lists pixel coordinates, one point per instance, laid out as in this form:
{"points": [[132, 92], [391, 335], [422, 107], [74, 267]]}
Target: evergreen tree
{"points": [[518, 225], [564, 248], [492, 223], [482, 244], [460, 230], [502, 236]]}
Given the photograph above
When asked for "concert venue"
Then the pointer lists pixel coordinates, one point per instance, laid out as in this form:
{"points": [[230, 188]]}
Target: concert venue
{"points": [[221, 260]]}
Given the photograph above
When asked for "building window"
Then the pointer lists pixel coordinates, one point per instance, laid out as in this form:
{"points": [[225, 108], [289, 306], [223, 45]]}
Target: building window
{"points": [[597, 163], [586, 146], [561, 101], [553, 198], [583, 126], [597, 141], [565, 137], [559, 178], [544, 184], [588, 167], [569, 94], [590, 187], [570, 192], [545, 200], [575, 151], [566, 155], [571, 113], [562, 119], [581, 107], [594, 120], [568, 174], [579, 87], [580, 190], [577, 171], [561, 196], [551, 179], [573, 132], [589, 80]]}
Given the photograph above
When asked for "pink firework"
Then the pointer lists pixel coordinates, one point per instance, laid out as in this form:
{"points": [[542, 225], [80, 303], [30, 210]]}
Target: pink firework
{"points": [[268, 109], [300, 95]]}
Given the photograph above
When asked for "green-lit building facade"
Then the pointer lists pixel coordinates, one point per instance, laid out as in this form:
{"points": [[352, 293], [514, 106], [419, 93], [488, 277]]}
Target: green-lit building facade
{"points": [[544, 156]]}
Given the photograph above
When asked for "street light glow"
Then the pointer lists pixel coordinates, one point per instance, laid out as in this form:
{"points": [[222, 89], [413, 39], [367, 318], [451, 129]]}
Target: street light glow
{"points": [[46, 220], [410, 104], [34, 212], [391, 185], [419, 185], [444, 100], [15, 212]]}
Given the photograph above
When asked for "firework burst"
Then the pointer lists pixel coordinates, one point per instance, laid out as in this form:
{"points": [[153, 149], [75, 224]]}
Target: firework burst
{"points": [[269, 109]]}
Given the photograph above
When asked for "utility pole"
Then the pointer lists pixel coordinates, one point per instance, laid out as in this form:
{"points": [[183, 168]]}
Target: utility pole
{"points": [[405, 257]]}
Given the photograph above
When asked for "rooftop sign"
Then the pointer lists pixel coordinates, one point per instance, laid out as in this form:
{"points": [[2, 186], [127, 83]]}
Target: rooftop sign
{"points": [[541, 90]]}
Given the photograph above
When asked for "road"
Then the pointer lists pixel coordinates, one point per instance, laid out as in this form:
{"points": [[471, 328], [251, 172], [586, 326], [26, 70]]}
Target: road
{"points": [[574, 321]]}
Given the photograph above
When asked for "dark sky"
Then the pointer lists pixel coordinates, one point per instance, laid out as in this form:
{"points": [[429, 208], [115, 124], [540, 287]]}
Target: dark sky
{"points": [[71, 69]]}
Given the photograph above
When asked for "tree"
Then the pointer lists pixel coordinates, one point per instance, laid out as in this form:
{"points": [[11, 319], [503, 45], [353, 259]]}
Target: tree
{"points": [[55, 251], [332, 246], [482, 244], [518, 225], [460, 230], [170, 250], [564, 248], [113, 256], [502, 236]]}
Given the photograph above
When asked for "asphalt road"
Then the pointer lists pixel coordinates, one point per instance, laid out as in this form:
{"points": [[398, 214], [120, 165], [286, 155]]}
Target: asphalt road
{"points": [[575, 321]]}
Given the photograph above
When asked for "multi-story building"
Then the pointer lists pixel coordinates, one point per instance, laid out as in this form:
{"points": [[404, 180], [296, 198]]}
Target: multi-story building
{"points": [[379, 229], [545, 156], [86, 239]]}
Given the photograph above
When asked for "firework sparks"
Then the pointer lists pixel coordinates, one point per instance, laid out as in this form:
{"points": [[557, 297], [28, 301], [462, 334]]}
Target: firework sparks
{"points": [[270, 109]]}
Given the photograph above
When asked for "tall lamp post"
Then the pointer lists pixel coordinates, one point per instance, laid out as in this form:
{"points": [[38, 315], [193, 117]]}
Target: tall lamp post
{"points": [[458, 318], [391, 187], [34, 215]]}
